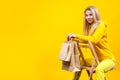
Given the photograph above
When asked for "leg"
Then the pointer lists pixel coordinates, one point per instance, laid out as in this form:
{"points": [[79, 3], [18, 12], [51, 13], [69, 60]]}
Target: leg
{"points": [[103, 67]]}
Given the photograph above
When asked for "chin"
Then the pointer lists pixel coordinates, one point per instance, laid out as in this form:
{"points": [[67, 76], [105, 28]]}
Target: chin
{"points": [[90, 23]]}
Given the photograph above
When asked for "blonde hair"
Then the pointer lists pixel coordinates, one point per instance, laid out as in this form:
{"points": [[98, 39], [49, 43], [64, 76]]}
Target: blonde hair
{"points": [[95, 16]]}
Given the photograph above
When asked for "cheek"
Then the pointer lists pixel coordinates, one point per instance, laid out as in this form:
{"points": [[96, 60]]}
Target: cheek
{"points": [[91, 17], [86, 17]]}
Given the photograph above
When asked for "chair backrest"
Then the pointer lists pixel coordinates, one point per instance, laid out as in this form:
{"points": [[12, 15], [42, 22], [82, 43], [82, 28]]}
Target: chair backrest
{"points": [[91, 69], [88, 44], [93, 51]]}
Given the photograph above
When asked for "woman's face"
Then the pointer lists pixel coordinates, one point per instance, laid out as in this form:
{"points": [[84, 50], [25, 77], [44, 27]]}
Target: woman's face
{"points": [[89, 16]]}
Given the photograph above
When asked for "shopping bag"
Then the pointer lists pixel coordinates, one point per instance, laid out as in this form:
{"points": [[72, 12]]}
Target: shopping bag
{"points": [[65, 52], [74, 64]]}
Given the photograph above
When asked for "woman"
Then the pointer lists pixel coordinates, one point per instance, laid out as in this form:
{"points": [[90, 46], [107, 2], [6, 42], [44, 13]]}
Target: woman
{"points": [[96, 32]]}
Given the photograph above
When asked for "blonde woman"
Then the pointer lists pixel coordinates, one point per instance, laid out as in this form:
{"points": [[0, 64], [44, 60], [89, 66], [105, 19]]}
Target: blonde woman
{"points": [[99, 38]]}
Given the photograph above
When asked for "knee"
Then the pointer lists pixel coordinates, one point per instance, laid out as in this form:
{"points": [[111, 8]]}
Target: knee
{"points": [[99, 69]]}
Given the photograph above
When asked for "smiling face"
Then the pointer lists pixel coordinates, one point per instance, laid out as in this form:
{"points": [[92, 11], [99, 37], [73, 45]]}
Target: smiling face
{"points": [[89, 16]]}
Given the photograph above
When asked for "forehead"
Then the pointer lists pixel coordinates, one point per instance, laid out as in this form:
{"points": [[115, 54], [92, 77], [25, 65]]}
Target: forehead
{"points": [[88, 12]]}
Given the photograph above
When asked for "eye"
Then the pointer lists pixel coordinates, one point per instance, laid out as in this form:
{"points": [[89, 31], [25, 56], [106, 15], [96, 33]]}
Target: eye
{"points": [[90, 14], [86, 15]]}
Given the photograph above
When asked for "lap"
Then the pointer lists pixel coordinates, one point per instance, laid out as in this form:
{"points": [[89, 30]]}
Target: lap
{"points": [[106, 65]]}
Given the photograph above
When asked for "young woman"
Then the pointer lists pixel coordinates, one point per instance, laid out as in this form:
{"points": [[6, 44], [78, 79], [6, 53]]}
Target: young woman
{"points": [[96, 31]]}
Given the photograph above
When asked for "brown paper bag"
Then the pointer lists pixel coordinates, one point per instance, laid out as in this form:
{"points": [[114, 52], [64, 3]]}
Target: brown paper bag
{"points": [[74, 64], [65, 52]]}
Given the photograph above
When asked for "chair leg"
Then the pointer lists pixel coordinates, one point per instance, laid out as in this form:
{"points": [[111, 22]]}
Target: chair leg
{"points": [[105, 78], [89, 74], [77, 75]]}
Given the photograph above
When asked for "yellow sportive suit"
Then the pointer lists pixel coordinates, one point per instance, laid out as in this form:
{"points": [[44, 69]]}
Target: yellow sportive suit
{"points": [[106, 58]]}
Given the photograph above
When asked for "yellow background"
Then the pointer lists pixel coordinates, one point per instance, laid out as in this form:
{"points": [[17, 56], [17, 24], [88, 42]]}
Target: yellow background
{"points": [[31, 33]]}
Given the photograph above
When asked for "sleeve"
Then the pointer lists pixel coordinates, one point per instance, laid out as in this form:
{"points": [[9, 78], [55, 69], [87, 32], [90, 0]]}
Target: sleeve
{"points": [[96, 36]]}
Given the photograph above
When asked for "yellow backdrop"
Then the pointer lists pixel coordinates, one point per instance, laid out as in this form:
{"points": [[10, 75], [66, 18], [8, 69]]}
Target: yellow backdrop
{"points": [[31, 33]]}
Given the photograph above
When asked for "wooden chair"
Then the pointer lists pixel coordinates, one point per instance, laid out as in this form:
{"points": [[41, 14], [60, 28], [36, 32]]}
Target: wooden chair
{"points": [[95, 61], [90, 69]]}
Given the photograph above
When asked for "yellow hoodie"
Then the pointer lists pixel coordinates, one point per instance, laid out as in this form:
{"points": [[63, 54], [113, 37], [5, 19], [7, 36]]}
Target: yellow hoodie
{"points": [[99, 38]]}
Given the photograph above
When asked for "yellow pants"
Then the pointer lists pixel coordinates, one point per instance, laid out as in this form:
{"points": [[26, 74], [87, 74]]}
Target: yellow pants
{"points": [[101, 69]]}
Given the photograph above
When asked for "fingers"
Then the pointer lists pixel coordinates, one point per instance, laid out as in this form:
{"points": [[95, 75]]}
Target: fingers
{"points": [[69, 36]]}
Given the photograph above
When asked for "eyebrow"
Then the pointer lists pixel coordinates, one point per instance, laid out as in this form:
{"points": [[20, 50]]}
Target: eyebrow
{"points": [[88, 14]]}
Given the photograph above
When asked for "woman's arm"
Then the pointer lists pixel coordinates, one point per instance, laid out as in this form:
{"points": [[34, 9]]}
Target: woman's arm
{"points": [[96, 36]]}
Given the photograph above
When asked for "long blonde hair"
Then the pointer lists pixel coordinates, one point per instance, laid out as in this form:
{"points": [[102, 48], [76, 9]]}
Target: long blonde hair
{"points": [[95, 16]]}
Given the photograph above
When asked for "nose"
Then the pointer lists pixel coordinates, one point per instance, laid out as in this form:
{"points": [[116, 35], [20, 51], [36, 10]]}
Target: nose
{"points": [[88, 17]]}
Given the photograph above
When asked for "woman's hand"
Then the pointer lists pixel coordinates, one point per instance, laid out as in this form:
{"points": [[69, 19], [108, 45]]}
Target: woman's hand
{"points": [[69, 36]]}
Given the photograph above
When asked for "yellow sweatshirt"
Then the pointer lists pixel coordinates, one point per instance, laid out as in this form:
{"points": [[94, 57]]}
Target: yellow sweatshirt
{"points": [[99, 38]]}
